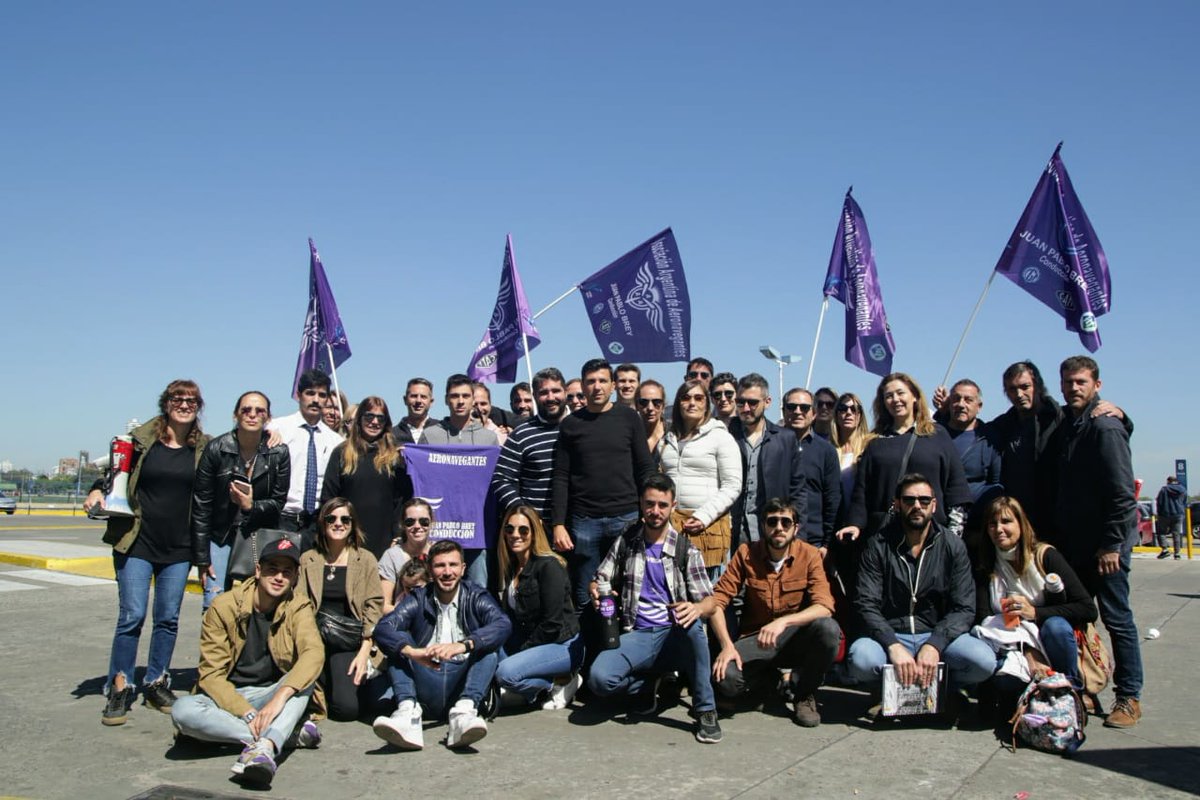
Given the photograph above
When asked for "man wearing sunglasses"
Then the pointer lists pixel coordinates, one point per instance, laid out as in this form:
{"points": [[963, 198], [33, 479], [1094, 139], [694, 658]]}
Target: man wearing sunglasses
{"points": [[916, 598], [787, 617], [770, 460], [821, 466], [724, 390], [699, 369], [526, 463]]}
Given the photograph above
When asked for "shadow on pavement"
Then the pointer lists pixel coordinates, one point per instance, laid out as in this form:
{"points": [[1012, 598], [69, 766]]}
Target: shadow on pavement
{"points": [[182, 681], [1174, 767]]}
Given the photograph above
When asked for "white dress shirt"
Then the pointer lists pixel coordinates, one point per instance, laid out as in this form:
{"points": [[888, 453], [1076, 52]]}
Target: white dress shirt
{"points": [[295, 436]]}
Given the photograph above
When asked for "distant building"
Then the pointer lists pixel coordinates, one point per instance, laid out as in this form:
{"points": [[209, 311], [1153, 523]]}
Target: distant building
{"points": [[67, 466]]}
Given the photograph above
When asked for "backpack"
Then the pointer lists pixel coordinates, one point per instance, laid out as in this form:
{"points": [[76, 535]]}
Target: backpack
{"points": [[1050, 716]]}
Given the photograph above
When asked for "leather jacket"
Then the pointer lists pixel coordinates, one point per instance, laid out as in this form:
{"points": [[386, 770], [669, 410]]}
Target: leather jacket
{"points": [[214, 515], [413, 621]]}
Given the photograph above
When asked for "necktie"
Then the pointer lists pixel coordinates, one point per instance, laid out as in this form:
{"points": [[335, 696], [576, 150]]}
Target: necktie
{"points": [[310, 471]]}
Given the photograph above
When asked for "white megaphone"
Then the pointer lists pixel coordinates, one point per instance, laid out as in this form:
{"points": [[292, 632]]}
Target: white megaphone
{"points": [[120, 457]]}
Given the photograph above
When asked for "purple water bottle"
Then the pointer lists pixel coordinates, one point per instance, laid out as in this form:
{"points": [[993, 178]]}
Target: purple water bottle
{"points": [[610, 623]]}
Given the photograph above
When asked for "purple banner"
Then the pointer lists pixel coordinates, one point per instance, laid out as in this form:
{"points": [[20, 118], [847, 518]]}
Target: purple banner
{"points": [[323, 329], [497, 356], [638, 305], [1054, 255], [852, 280], [455, 479]]}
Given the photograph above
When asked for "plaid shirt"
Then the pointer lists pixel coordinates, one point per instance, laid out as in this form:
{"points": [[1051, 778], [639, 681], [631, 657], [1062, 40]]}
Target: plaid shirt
{"points": [[695, 586]]}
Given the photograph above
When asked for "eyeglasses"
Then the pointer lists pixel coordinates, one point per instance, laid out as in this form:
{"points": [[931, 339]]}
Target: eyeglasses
{"points": [[657, 402], [825, 403], [912, 499], [345, 519], [519, 530], [747, 401], [724, 394], [181, 400], [412, 522], [368, 419], [698, 373], [780, 522], [253, 411], [792, 408], [847, 408]]}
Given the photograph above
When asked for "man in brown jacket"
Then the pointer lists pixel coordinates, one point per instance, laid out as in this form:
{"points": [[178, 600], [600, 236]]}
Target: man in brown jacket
{"points": [[787, 616], [260, 654]]}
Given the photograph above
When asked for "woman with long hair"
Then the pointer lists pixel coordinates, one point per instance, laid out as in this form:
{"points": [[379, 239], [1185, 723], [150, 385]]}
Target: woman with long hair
{"points": [[367, 470], [416, 521], [335, 412], [153, 545], [341, 578], [703, 459], [906, 440], [850, 436], [544, 654], [241, 486]]}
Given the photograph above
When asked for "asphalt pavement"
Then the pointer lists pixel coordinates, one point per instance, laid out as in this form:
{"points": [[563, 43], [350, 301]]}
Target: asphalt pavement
{"points": [[58, 629]]}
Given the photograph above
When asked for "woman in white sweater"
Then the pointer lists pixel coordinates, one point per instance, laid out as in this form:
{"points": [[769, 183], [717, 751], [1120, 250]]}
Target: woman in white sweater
{"points": [[703, 460]]}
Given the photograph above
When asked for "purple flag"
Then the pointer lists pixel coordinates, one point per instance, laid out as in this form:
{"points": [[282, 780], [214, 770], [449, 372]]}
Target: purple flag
{"points": [[1054, 255], [638, 305], [323, 329], [852, 280], [497, 356], [455, 479]]}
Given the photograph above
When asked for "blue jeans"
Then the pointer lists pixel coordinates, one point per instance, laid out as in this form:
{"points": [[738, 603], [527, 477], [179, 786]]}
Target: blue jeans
{"points": [[218, 556], [968, 660], [530, 672], [133, 594], [653, 651], [593, 538], [1058, 641], [1112, 598], [437, 690], [199, 716]]}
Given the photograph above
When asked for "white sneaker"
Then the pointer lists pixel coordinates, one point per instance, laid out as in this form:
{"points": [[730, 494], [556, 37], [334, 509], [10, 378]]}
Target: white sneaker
{"points": [[402, 728], [563, 693], [466, 726]]}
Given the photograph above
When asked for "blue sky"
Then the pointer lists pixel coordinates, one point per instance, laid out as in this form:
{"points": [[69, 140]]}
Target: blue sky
{"points": [[164, 165]]}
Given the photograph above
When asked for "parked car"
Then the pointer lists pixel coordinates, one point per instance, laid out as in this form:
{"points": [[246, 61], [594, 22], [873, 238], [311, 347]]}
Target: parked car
{"points": [[8, 504], [1145, 522]]}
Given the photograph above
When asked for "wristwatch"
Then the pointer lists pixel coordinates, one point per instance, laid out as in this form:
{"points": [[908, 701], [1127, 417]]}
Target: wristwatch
{"points": [[467, 643]]}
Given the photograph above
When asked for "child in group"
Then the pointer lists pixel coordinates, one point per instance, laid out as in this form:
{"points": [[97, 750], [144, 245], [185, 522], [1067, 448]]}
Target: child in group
{"points": [[412, 575]]}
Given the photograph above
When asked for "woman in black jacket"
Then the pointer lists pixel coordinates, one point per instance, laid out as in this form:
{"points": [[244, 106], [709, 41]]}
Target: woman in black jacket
{"points": [[1012, 578], [367, 470], [545, 651], [241, 486]]}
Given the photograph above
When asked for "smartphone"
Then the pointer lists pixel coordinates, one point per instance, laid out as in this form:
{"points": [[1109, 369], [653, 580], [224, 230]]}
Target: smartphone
{"points": [[241, 482]]}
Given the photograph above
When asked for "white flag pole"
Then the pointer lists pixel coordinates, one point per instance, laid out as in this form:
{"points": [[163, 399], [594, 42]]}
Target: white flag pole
{"points": [[816, 339], [333, 373], [556, 301], [967, 330], [528, 360]]}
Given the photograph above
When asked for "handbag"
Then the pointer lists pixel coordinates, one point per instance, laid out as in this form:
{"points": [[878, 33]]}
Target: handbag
{"points": [[1095, 664], [339, 632], [243, 555]]}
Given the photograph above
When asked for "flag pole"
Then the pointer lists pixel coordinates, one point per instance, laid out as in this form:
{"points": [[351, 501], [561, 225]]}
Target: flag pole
{"points": [[333, 373], [556, 301], [812, 361], [528, 360], [967, 330]]}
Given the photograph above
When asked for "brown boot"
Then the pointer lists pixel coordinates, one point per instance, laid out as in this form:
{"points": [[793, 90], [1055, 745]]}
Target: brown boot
{"points": [[805, 713], [1125, 713]]}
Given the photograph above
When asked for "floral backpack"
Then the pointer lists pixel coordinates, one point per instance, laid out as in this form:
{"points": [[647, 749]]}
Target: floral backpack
{"points": [[1050, 716]]}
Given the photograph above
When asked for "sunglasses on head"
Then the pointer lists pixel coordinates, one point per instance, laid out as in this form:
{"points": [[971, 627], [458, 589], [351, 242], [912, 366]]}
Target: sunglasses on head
{"points": [[412, 521], [345, 519], [792, 408], [780, 521], [912, 499]]}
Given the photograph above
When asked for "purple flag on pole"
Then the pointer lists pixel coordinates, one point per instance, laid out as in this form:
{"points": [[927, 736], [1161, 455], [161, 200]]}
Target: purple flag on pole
{"points": [[455, 479], [638, 305], [852, 280], [323, 329], [497, 356], [1054, 255]]}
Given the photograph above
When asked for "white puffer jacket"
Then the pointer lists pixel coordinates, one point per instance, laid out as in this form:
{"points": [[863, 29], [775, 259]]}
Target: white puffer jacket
{"points": [[707, 470]]}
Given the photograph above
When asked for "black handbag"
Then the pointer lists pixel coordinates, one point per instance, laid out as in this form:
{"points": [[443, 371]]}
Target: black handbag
{"points": [[243, 555], [339, 632]]}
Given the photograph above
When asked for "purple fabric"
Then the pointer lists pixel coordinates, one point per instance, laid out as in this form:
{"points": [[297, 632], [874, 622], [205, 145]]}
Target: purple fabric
{"points": [[497, 356], [852, 280], [638, 305], [653, 599], [322, 325], [455, 479], [1054, 255]]}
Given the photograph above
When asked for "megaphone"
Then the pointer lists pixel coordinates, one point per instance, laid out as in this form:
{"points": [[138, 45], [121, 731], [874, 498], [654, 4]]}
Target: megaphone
{"points": [[120, 457]]}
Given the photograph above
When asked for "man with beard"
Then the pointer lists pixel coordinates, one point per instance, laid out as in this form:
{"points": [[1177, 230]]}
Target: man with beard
{"points": [[523, 473]]}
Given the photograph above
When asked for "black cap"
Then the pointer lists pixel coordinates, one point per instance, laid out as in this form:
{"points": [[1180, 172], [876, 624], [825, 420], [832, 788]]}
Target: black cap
{"points": [[281, 547]]}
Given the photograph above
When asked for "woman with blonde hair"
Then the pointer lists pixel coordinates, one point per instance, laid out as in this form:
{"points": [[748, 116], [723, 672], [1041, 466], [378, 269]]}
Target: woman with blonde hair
{"points": [[367, 470], [850, 435], [542, 657]]}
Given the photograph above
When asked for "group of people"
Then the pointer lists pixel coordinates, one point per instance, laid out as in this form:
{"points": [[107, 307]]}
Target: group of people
{"points": [[636, 541]]}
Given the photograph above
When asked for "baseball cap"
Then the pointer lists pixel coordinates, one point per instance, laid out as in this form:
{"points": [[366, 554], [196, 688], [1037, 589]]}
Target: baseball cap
{"points": [[281, 547]]}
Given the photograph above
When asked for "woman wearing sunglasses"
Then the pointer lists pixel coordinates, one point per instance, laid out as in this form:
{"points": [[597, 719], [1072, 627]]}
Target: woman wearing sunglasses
{"points": [[341, 580], [907, 440], [543, 656], [367, 470], [703, 459], [649, 400], [241, 487], [416, 521], [850, 436], [153, 545]]}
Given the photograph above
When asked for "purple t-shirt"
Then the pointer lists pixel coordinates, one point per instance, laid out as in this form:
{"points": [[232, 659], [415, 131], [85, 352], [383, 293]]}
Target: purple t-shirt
{"points": [[652, 611]]}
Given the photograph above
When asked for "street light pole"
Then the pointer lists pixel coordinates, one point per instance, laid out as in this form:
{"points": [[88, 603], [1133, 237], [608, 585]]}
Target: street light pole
{"points": [[773, 354]]}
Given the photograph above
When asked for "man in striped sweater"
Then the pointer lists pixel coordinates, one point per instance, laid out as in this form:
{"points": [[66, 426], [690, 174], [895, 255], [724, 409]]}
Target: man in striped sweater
{"points": [[523, 473]]}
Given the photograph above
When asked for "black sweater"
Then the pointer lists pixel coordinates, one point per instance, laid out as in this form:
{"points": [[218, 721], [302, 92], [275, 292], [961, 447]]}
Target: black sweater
{"points": [[1075, 605], [376, 496], [600, 460]]}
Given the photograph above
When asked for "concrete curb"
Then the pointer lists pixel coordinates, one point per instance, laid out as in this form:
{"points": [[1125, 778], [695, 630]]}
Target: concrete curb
{"points": [[90, 567]]}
